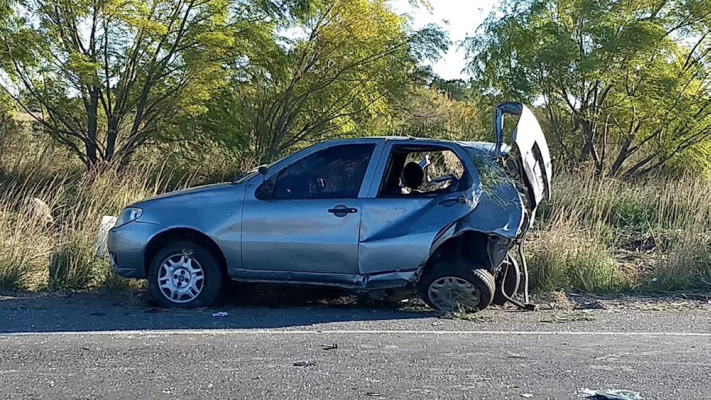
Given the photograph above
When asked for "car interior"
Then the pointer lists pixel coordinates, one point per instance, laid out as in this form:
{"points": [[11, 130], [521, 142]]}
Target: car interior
{"points": [[416, 171], [411, 171]]}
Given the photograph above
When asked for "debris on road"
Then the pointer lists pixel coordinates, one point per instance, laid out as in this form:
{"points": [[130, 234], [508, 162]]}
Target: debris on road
{"points": [[329, 346], [220, 314], [304, 364], [527, 395], [612, 394]]}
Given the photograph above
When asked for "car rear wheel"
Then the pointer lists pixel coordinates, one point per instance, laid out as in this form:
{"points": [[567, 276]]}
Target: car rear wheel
{"points": [[185, 275], [513, 280], [457, 286]]}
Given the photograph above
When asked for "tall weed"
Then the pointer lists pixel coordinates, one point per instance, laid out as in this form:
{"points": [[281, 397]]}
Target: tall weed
{"points": [[61, 254]]}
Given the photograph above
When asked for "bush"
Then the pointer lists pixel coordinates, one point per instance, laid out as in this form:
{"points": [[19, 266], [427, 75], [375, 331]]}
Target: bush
{"points": [[564, 257], [686, 266]]}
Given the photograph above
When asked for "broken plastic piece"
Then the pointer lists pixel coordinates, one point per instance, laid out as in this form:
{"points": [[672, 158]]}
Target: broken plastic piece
{"points": [[612, 394]]}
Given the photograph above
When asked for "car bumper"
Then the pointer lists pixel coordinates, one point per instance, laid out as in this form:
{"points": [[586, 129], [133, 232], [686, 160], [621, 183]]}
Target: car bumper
{"points": [[127, 247]]}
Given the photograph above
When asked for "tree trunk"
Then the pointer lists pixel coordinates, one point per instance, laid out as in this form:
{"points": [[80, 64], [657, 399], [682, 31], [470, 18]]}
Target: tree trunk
{"points": [[92, 126], [111, 135], [622, 156]]}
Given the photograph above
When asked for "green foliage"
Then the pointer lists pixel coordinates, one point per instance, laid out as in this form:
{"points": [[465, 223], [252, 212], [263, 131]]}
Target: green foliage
{"points": [[632, 212], [104, 77], [7, 120], [435, 113], [107, 77], [623, 84], [329, 72]]}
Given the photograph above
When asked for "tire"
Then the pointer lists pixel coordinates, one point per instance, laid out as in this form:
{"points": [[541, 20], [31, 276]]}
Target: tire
{"points": [[197, 280], [513, 280], [460, 286]]}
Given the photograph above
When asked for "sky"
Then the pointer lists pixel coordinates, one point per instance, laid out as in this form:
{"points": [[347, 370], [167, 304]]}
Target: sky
{"points": [[459, 17]]}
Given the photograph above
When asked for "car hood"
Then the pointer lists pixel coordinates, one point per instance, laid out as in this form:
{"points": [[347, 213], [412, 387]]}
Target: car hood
{"points": [[195, 192], [532, 148]]}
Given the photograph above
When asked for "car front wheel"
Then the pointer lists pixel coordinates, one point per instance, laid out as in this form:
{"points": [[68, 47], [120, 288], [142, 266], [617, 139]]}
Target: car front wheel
{"points": [[185, 275], [457, 286]]}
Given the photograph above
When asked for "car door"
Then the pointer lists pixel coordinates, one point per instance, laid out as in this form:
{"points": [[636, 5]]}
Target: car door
{"points": [[305, 216], [397, 231]]}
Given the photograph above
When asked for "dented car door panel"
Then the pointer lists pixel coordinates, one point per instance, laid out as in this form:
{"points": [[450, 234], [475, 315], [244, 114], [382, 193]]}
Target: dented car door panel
{"points": [[398, 233], [301, 237]]}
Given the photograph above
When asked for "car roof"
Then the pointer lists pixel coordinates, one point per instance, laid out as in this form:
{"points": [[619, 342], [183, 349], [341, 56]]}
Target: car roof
{"points": [[474, 145], [378, 139]]}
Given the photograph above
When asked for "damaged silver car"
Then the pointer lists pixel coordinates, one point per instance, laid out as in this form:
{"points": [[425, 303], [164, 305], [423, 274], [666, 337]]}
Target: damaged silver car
{"points": [[369, 214]]}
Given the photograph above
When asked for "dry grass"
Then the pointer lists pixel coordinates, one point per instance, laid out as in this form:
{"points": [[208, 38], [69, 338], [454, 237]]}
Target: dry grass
{"points": [[663, 225], [567, 257], [35, 254], [596, 236]]}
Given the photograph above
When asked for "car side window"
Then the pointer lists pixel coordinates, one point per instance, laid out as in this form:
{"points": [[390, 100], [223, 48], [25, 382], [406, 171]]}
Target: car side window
{"points": [[333, 173], [414, 171]]}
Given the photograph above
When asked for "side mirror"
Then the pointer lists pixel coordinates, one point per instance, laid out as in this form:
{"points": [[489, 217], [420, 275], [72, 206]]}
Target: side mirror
{"points": [[263, 170]]}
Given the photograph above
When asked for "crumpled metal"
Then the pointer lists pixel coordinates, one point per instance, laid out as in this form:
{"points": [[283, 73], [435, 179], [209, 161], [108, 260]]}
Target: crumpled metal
{"points": [[612, 394]]}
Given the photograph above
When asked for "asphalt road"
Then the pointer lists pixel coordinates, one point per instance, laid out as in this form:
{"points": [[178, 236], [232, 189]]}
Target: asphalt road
{"points": [[111, 346]]}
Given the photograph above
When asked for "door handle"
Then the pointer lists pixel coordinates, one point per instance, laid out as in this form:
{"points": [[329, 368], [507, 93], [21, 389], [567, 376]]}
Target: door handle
{"points": [[453, 200], [342, 211]]}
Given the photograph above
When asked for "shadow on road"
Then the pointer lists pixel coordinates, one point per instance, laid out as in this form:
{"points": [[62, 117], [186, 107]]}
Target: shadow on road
{"points": [[247, 307]]}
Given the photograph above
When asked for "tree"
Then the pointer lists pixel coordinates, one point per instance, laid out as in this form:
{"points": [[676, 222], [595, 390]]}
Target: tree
{"points": [[109, 75], [436, 113], [623, 84], [329, 69]]}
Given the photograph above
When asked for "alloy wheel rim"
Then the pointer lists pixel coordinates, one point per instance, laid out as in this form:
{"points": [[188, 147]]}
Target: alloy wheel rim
{"points": [[451, 293], [181, 278]]}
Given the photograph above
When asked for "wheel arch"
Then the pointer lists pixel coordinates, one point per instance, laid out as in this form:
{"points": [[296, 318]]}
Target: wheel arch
{"points": [[183, 234], [485, 249]]}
